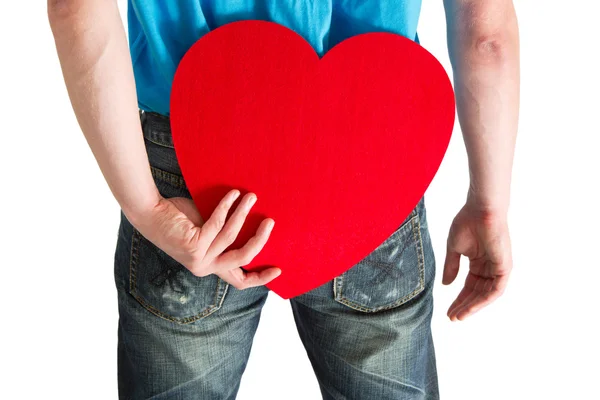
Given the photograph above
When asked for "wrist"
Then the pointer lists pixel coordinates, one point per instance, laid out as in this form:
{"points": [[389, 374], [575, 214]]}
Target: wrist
{"points": [[488, 205], [139, 211]]}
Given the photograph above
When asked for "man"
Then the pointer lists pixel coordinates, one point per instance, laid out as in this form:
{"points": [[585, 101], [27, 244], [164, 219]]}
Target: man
{"points": [[188, 311]]}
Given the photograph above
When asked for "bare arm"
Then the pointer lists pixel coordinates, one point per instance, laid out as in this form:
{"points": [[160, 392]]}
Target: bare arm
{"points": [[483, 44], [94, 56], [96, 64]]}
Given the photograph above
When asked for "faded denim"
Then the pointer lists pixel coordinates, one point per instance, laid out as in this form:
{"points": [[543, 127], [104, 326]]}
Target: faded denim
{"points": [[367, 332]]}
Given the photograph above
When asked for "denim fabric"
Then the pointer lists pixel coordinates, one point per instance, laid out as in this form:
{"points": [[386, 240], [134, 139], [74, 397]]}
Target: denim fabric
{"points": [[367, 332]]}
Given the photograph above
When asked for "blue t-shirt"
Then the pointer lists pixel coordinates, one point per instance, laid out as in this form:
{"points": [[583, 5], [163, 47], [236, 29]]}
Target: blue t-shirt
{"points": [[161, 31]]}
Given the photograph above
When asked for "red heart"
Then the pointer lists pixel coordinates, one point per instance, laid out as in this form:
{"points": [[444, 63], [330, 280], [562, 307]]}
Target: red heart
{"points": [[339, 150]]}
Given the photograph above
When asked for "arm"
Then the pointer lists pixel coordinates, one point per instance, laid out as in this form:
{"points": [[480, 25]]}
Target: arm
{"points": [[483, 45], [94, 56], [96, 64]]}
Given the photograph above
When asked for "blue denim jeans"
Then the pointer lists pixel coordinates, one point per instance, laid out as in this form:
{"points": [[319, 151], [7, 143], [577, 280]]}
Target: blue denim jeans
{"points": [[367, 332]]}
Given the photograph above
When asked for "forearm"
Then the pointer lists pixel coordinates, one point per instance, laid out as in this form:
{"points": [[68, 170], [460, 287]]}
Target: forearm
{"points": [[96, 65], [483, 45]]}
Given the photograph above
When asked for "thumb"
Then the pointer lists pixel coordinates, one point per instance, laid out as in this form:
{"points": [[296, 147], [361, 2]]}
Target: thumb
{"points": [[188, 207], [451, 266]]}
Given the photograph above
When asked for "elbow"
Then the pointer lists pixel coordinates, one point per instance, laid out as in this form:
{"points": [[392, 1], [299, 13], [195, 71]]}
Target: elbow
{"points": [[60, 10], [483, 31], [486, 47], [490, 48]]}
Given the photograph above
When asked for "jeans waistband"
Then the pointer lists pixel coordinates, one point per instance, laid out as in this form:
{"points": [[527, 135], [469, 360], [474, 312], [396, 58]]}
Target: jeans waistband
{"points": [[156, 128]]}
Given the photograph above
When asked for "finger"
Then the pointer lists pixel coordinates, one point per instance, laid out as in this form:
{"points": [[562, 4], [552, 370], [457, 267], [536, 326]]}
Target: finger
{"points": [[215, 223], [232, 227], [477, 304], [459, 307], [245, 254], [246, 279], [462, 296], [487, 297], [487, 290], [474, 285], [451, 266]]}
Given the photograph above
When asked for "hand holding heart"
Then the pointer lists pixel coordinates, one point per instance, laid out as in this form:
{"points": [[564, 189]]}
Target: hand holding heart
{"points": [[176, 227]]}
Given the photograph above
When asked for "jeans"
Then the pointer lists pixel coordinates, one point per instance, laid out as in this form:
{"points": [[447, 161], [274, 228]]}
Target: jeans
{"points": [[367, 332]]}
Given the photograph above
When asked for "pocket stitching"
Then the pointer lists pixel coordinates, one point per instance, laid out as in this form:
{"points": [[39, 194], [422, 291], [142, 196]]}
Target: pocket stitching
{"points": [[133, 260], [338, 284], [168, 177]]}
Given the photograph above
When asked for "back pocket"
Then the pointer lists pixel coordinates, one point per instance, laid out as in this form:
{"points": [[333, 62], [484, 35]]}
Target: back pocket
{"points": [[389, 276], [161, 284]]}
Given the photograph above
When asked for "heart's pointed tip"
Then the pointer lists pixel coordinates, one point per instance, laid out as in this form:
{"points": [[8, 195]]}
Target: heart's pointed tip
{"points": [[197, 123]]}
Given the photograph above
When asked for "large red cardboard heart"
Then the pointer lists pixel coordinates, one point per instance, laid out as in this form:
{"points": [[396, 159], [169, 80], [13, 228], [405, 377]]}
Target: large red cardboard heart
{"points": [[339, 150]]}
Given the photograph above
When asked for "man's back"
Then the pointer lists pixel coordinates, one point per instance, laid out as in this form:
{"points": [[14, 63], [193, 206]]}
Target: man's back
{"points": [[161, 32]]}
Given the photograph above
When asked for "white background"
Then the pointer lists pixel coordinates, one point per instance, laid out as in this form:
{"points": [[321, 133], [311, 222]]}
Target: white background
{"points": [[539, 341]]}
